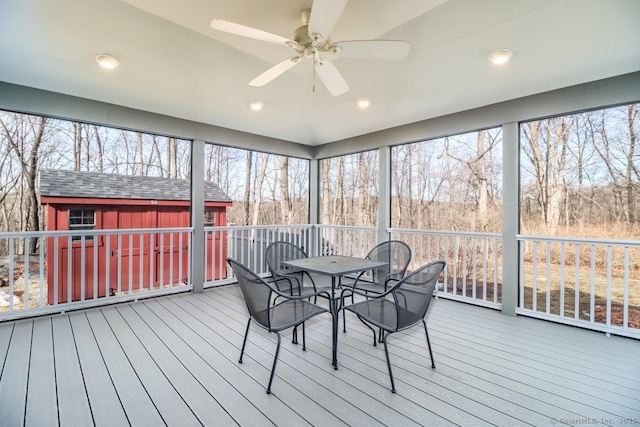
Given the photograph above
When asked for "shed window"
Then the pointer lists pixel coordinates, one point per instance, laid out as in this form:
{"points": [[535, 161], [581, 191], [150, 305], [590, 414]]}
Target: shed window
{"points": [[82, 219], [209, 218]]}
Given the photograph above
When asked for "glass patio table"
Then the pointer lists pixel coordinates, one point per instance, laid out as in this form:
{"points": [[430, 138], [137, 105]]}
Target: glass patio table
{"points": [[335, 266]]}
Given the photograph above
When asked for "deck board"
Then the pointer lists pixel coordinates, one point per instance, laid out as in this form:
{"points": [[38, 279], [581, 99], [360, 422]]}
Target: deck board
{"points": [[133, 395], [186, 369], [73, 405], [249, 405], [174, 361], [15, 373], [105, 403], [158, 386]]}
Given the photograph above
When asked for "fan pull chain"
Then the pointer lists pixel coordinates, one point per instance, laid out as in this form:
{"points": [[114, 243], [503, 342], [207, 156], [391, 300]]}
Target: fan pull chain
{"points": [[313, 89]]}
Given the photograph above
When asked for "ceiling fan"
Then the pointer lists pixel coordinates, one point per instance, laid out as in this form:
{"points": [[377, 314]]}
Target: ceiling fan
{"points": [[313, 41]]}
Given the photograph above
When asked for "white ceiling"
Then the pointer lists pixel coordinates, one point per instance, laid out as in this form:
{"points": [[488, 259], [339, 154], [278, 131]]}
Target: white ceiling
{"points": [[173, 63]]}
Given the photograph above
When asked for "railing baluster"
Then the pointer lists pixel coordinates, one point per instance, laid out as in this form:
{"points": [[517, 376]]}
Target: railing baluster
{"points": [[119, 255], [130, 263], [625, 300], [43, 243], [534, 285], [576, 300], [522, 249], [171, 259], [27, 263], [474, 264], [484, 269], [83, 268], [562, 265], [608, 319], [69, 268], [141, 260], [95, 279], [592, 280], [11, 270]]}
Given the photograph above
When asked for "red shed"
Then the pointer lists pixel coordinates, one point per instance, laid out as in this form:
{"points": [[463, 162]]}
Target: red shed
{"points": [[98, 201]]}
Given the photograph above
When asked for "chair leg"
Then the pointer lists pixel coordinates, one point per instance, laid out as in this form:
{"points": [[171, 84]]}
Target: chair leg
{"points": [[304, 341], [375, 338], [273, 368], [433, 364], [344, 318], [344, 321], [294, 336], [244, 342], [386, 352]]}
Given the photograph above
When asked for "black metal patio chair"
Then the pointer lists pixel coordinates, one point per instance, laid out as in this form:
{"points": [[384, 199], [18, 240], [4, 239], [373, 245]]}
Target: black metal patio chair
{"points": [[403, 306], [396, 254], [290, 311], [300, 283]]}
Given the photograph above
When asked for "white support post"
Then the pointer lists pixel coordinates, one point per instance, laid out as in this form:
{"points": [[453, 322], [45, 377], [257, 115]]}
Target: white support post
{"points": [[510, 216], [314, 204], [384, 193], [197, 215]]}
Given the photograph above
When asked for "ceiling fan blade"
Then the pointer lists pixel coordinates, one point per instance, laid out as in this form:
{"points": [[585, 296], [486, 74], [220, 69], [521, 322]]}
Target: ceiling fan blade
{"points": [[253, 33], [331, 77], [275, 71], [325, 15], [372, 49]]}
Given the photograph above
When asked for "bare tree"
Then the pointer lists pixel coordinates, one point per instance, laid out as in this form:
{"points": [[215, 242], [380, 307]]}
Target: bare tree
{"points": [[546, 149], [257, 189], [247, 187], [286, 206], [26, 140]]}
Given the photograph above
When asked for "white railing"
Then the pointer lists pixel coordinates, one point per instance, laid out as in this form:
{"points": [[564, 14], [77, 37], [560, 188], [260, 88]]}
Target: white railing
{"points": [[77, 269], [345, 240], [248, 245], [473, 273], [592, 283]]}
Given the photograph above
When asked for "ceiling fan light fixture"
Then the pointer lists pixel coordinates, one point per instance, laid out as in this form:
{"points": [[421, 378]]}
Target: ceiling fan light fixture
{"points": [[256, 105], [500, 56], [363, 103], [107, 61]]}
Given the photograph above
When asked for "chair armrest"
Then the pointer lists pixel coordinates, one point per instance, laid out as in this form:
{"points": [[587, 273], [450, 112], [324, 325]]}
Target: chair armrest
{"points": [[282, 279], [351, 285], [365, 293], [301, 297]]}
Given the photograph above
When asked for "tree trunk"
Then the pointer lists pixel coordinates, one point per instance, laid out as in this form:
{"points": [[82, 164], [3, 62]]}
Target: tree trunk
{"points": [[286, 207], [325, 212], [632, 113], [257, 189]]}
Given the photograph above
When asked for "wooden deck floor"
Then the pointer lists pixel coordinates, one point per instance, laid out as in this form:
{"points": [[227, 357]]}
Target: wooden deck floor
{"points": [[174, 361]]}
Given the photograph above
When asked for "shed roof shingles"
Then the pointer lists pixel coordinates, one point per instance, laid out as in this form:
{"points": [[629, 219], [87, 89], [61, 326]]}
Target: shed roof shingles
{"points": [[62, 183]]}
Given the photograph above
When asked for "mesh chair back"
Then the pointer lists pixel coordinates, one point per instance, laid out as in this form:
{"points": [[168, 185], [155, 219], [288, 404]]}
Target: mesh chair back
{"points": [[277, 252], [414, 293], [256, 292], [396, 255]]}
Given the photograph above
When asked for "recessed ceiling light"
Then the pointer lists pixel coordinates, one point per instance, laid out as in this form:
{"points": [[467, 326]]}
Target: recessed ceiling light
{"points": [[256, 105], [107, 61], [363, 102], [500, 56]]}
